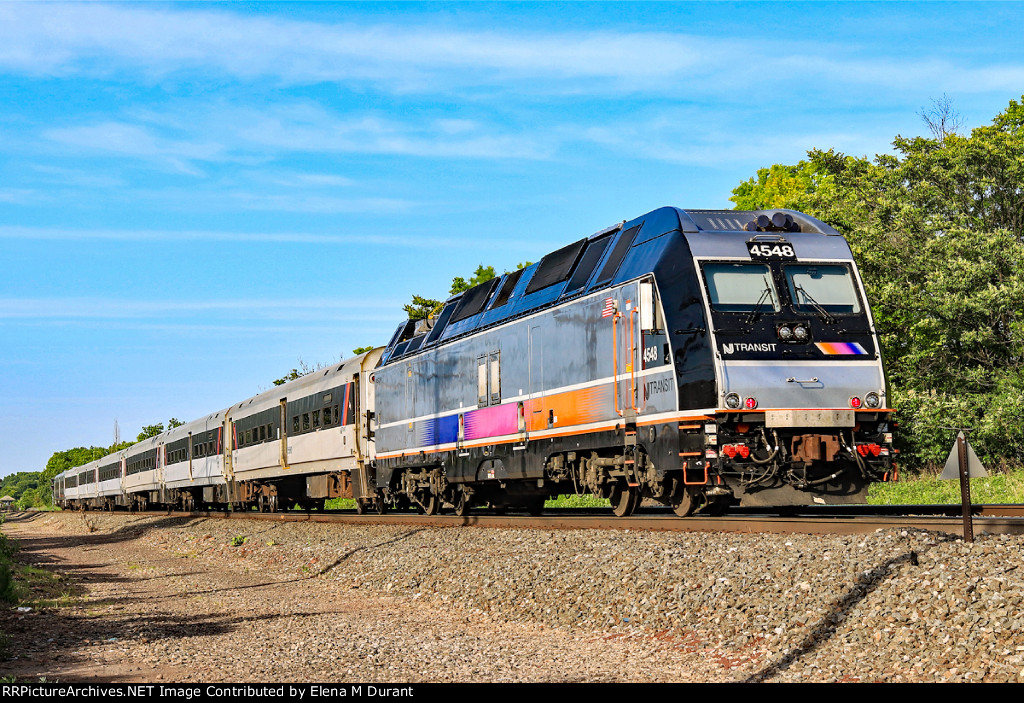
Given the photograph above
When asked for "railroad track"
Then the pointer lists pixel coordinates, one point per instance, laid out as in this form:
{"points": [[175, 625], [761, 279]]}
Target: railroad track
{"points": [[859, 519]]}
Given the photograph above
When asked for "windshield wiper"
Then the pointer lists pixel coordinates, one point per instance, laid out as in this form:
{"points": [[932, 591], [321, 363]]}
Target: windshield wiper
{"points": [[766, 295], [825, 314]]}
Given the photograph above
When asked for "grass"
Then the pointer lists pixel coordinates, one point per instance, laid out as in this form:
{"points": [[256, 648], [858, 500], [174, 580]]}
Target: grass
{"points": [[340, 504], [46, 589], [582, 500], [26, 585], [926, 488]]}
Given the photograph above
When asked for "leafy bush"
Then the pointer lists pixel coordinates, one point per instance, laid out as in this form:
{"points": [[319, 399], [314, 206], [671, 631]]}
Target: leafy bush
{"points": [[8, 594]]}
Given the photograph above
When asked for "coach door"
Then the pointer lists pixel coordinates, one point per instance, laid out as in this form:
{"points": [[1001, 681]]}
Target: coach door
{"points": [[227, 429], [283, 432], [159, 461]]}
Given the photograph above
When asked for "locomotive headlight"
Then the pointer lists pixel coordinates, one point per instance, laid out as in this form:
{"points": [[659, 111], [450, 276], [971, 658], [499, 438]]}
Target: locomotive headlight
{"points": [[785, 334], [872, 400], [732, 401], [800, 333], [855, 403]]}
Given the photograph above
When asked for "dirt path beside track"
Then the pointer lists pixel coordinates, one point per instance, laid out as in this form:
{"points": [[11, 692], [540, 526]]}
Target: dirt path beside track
{"points": [[149, 611]]}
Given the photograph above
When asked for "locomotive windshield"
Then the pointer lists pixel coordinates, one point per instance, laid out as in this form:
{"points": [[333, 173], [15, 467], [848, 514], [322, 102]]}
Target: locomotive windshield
{"points": [[741, 288], [815, 287]]}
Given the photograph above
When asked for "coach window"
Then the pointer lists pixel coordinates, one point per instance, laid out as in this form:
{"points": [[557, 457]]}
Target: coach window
{"points": [[305, 421], [337, 416], [316, 419]]}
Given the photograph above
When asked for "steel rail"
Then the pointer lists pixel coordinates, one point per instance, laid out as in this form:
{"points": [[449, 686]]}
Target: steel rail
{"points": [[574, 520]]}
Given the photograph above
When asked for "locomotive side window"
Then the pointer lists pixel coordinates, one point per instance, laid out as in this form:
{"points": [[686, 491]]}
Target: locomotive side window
{"points": [[481, 381], [741, 287], [611, 264], [828, 286], [495, 373], [507, 288], [591, 256]]}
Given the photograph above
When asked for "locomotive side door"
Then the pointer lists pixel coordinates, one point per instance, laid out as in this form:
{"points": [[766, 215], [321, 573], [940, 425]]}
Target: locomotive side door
{"points": [[534, 410], [625, 357]]}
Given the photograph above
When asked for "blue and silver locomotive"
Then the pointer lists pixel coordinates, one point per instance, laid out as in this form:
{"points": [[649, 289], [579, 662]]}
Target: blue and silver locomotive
{"points": [[691, 357]]}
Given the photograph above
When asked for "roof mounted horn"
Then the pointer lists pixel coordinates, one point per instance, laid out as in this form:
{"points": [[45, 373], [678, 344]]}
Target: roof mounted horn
{"points": [[778, 222]]}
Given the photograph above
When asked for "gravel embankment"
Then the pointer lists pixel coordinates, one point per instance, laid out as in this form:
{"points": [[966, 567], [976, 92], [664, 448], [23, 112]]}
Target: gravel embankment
{"points": [[304, 601]]}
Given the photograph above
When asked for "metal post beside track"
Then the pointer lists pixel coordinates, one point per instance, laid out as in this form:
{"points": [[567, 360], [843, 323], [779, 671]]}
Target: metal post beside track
{"points": [[965, 487]]}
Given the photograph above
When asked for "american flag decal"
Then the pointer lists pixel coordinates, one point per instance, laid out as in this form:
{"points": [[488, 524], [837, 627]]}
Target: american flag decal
{"points": [[609, 307]]}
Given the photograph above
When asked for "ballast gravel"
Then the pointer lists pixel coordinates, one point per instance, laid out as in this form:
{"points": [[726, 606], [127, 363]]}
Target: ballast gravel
{"points": [[205, 599]]}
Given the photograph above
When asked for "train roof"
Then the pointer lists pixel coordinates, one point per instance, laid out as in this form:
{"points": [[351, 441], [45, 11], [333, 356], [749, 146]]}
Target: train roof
{"points": [[309, 383], [600, 261]]}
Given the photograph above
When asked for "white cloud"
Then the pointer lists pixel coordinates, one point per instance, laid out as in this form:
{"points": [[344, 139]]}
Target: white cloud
{"points": [[120, 139], [144, 235], [225, 133], [116, 308], [123, 42]]}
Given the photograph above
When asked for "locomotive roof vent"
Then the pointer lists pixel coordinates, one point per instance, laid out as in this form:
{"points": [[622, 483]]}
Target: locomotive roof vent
{"points": [[778, 222]]}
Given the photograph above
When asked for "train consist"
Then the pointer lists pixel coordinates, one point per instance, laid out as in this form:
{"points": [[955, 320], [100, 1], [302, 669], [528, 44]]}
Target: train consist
{"points": [[697, 358]]}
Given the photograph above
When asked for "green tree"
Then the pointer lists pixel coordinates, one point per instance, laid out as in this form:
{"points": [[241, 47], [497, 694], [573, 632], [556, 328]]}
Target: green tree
{"points": [[481, 275], [421, 308], [150, 431], [780, 186], [937, 229]]}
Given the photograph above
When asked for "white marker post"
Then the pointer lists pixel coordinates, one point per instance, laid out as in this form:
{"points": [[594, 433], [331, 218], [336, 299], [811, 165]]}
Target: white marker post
{"points": [[965, 464]]}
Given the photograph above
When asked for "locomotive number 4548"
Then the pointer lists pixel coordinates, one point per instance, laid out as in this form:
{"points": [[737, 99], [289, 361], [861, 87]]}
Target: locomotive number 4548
{"points": [[771, 250]]}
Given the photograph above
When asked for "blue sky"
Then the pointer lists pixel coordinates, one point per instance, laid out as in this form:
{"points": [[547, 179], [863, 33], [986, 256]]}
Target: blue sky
{"points": [[196, 196]]}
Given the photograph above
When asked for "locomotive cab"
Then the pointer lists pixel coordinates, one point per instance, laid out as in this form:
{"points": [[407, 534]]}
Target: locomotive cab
{"points": [[800, 409]]}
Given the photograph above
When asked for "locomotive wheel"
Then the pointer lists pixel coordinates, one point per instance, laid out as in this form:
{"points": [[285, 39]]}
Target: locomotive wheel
{"points": [[624, 500], [717, 506], [431, 504], [378, 505], [360, 507], [683, 503], [461, 504], [535, 507]]}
